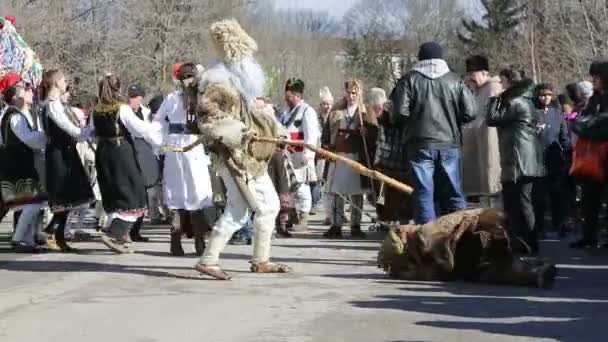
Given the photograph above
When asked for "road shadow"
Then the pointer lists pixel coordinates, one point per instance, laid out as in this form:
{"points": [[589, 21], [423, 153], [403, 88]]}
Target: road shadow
{"points": [[173, 272], [575, 309]]}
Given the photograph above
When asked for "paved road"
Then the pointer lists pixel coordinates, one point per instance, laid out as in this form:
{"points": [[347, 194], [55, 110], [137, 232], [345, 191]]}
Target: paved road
{"points": [[335, 294]]}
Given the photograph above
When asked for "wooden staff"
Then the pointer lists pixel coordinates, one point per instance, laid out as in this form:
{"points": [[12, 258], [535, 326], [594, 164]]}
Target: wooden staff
{"points": [[353, 164], [325, 153]]}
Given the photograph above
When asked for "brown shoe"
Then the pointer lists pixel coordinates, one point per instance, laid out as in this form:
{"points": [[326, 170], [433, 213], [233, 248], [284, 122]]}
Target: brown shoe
{"points": [[214, 271], [269, 267]]}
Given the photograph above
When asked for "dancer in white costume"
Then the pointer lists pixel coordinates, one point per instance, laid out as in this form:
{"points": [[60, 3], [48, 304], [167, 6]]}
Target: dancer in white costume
{"points": [[186, 176]]}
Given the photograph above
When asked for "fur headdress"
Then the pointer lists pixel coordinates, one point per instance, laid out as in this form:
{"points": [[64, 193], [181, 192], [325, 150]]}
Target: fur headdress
{"points": [[325, 95], [231, 42], [236, 66]]}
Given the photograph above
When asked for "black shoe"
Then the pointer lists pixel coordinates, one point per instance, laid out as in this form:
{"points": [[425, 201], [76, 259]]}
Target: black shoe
{"points": [[199, 245], [136, 237], [334, 232], [583, 243], [356, 232], [176, 243]]}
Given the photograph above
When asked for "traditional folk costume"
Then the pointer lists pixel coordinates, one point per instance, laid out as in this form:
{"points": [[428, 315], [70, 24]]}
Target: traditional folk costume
{"points": [[321, 164], [391, 159], [345, 128], [301, 124], [228, 120], [21, 187], [186, 174], [118, 171], [470, 245], [480, 154], [68, 185]]}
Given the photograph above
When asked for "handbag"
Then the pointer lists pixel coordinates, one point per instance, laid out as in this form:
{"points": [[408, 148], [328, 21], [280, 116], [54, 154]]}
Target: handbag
{"points": [[590, 160]]}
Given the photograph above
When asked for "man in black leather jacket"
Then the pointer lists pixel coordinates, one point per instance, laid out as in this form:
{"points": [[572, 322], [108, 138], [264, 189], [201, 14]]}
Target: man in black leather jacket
{"points": [[432, 103]]}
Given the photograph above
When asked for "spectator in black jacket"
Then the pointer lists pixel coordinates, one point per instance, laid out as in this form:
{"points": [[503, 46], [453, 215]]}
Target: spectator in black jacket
{"points": [[432, 103], [514, 114], [555, 142]]}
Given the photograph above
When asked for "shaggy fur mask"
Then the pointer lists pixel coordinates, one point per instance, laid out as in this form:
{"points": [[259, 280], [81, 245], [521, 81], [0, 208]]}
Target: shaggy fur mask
{"points": [[231, 42]]}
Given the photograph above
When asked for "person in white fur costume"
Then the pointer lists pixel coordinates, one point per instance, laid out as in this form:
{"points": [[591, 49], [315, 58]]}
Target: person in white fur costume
{"points": [[227, 118]]}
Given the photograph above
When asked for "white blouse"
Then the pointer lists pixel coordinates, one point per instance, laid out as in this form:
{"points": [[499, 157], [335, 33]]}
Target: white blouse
{"points": [[20, 124]]}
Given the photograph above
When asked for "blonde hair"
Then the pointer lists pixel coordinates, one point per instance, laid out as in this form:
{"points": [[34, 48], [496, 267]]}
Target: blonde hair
{"points": [[49, 82]]}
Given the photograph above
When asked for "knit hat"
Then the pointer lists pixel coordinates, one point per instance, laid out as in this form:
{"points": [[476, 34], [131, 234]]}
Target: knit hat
{"points": [[325, 95], [430, 50], [477, 63]]}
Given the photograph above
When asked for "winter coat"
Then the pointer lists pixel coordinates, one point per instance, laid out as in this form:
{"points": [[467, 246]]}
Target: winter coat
{"points": [[432, 103], [592, 123], [515, 116], [554, 138], [480, 154]]}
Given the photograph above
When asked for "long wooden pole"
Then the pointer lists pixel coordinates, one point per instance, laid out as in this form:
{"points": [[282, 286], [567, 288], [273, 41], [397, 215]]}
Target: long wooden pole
{"points": [[360, 168]]}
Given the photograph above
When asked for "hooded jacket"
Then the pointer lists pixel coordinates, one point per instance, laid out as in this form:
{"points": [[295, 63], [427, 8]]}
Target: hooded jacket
{"points": [[432, 103], [515, 116]]}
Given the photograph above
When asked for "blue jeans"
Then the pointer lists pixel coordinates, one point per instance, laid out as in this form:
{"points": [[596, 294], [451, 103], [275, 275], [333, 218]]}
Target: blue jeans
{"points": [[435, 175]]}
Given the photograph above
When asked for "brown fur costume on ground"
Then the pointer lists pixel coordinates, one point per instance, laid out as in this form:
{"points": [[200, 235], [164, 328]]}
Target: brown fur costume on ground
{"points": [[468, 245]]}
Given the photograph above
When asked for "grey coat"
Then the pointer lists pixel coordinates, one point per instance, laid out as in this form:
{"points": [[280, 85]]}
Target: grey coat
{"points": [[514, 114]]}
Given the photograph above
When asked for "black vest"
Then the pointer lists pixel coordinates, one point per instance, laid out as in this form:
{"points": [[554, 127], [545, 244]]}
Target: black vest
{"points": [[16, 158], [56, 136], [109, 125]]}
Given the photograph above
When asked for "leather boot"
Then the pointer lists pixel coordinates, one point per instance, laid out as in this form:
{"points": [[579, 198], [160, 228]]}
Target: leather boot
{"points": [[334, 232], [281, 224], [134, 234], [356, 232], [175, 247]]}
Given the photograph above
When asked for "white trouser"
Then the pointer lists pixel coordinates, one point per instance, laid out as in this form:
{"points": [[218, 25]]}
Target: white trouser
{"points": [[27, 225], [237, 213], [303, 198]]}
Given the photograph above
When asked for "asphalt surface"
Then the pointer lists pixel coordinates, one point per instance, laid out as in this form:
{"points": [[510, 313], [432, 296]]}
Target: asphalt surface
{"points": [[335, 294]]}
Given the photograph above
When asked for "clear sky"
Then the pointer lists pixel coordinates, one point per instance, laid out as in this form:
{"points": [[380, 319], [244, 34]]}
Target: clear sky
{"points": [[335, 7]]}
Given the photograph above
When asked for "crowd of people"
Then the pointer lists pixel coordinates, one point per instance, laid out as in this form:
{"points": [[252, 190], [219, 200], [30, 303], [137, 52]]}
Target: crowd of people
{"points": [[479, 139]]}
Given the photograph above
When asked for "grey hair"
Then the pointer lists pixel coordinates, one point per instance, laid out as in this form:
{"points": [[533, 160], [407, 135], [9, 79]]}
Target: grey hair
{"points": [[377, 96]]}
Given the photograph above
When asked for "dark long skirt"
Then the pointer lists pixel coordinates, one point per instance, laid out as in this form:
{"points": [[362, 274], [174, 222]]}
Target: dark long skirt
{"points": [[119, 177], [67, 182], [398, 206]]}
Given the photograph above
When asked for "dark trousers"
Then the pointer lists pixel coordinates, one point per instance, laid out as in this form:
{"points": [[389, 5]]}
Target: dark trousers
{"points": [[591, 204], [517, 200], [549, 188], [436, 171]]}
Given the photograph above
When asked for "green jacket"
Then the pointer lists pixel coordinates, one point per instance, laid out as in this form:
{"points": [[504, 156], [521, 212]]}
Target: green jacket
{"points": [[515, 116]]}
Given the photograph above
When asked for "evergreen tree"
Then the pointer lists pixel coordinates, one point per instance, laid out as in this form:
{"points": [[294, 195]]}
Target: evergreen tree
{"points": [[498, 25]]}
